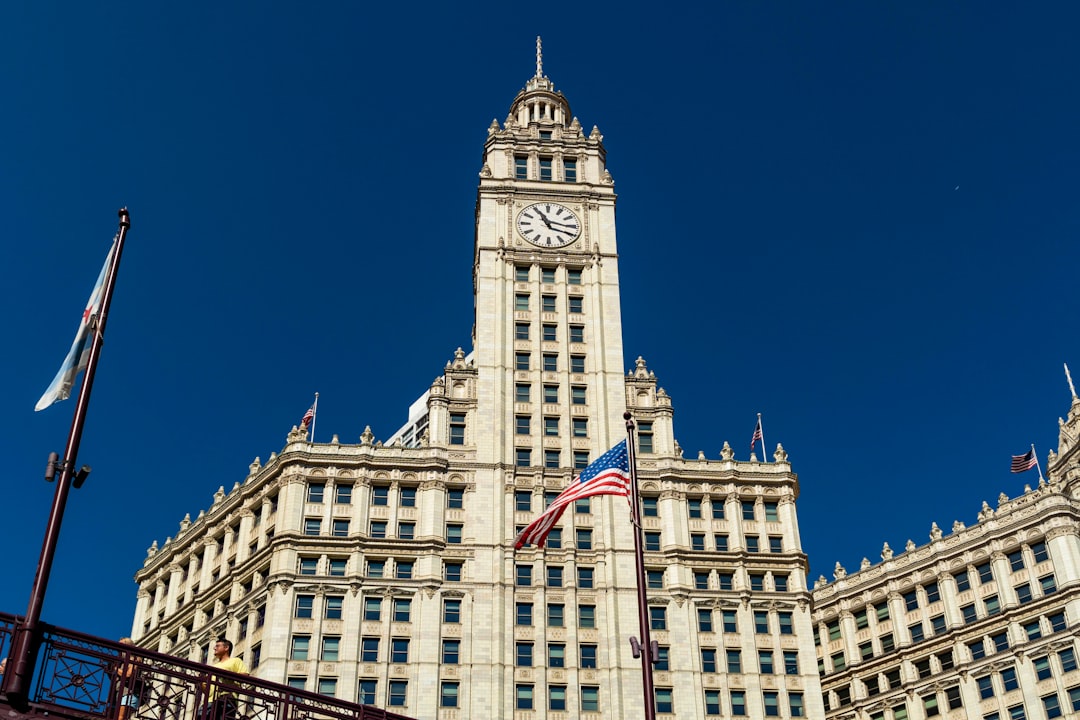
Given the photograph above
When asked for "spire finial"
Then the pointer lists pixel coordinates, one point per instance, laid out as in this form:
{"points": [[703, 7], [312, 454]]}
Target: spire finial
{"points": [[539, 59], [1068, 377]]}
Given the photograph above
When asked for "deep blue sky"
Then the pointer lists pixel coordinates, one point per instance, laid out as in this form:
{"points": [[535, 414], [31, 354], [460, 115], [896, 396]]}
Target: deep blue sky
{"points": [[858, 219]]}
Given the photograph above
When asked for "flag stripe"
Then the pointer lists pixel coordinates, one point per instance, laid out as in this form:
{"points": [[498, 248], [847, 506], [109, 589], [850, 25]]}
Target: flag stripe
{"points": [[609, 474], [757, 435], [1023, 463]]}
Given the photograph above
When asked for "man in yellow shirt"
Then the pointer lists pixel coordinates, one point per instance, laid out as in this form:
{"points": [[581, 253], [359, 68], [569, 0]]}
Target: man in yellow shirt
{"points": [[220, 701]]}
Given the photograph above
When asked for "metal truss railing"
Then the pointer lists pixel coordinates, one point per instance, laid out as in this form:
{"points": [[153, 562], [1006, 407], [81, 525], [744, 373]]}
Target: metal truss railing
{"points": [[83, 677]]}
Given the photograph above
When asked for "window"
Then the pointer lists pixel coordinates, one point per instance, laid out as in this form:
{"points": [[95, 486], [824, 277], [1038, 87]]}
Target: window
{"points": [[549, 333], [521, 361], [551, 426], [340, 528], [398, 690], [1052, 706], [453, 533], [448, 694], [577, 333], [588, 656], [697, 541], [522, 394], [738, 702], [521, 172], [1048, 584], [650, 506], [331, 646], [985, 573], [953, 698], [522, 424], [547, 275], [574, 304], [554, 576], [761, 622], [892, 679], [993, 605], [1023, 593], [376, 568], [333, 607], [551, 362], [664, 701], [577, 364], [962, 581], [791, 662], [554, 538], [882, 611], [545, 168], [946, 660], [866, 650], [373, 608], [652, 541], [833, 629], [1074, 697], [408, 497], [552, 458], [734, 660], [937, 624], [380, 495], [524, 697], [922, 668], [752, 543], [729, 621], [726, 580], [365, 694], [712, 702], [523, 457], [577, 395], [1038, 551], [521, 302], [312, 526], [838, 662], [704, 620], [765, 662], [772, 513], [1057, 622], [403, 569], [300, 646], [315, 492], [327, 686], [583, 539], [297, 683], [523, 654], [780, 582], [1016, 712], [573, 277], [378, 529], [1000, 641], [523, 575], [583, 506], [986, 687], [555, 614], [1009, 680], [580, 427], [455, 498], [1042, 668], [772, 704], [586, 616], [930, 705], [406, 530], [557, 697], [1068, 660], [556, 655], [521, 331], [522, 501], [786, 627], [308, 566], [717, 505], [708, 660], [547, 303], [451, 611], [968, 613], [757, 582], [911, 600], [523, 613], [795, 702], [304, 606], [933, 592], [658, 618], [369, 649], [776, 544], [747, 509], [402, 610], [521, 273], [590, 698], [1016, 560], [977, 649]]}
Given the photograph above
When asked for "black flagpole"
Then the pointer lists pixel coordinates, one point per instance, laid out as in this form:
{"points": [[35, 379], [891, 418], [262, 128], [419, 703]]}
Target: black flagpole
{"points": [[27, 639], [645, 649]]}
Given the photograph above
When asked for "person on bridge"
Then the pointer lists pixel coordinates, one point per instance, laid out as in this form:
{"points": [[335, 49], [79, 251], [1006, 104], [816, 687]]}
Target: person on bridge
{"points": [[220, 700]]}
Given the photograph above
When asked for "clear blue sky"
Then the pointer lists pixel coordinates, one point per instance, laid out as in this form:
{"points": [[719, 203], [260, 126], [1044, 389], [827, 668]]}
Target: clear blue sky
{"points": [[858, 219]]}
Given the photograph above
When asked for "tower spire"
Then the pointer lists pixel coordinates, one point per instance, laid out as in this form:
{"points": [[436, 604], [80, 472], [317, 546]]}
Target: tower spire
{"points": [[539, 59], [1068, 377]]}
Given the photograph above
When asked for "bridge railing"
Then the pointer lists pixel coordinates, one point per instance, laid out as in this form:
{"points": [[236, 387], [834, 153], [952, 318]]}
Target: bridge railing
{"points": [[83, 676]]}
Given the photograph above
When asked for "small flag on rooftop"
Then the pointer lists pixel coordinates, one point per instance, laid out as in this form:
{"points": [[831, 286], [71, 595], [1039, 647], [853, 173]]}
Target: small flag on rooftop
{"points": [[1023, 463]]}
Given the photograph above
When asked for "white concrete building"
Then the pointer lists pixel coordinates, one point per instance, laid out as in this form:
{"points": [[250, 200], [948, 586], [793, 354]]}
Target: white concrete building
{"points": [[385, 573]]}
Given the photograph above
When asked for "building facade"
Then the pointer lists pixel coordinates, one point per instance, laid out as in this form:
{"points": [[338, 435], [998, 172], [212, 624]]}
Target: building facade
{"points": [[385, 573], [979, 623]]}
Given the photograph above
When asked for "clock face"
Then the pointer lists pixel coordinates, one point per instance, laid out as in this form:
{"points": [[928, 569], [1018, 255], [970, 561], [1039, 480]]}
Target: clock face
{"points": [[548, 224]]}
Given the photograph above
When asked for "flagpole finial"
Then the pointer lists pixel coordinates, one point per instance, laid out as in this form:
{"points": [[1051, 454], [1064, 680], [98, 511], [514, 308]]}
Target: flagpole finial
{"points": [[125, 218]]}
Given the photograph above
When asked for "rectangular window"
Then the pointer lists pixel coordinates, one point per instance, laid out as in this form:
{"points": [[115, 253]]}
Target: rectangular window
{"points": [[550, 333], [1048, 584], [786, 626], [524, 697], [652, 541], [552, 458], [570, 169], [1068, 660], [340, 528], [791, 662], [373, 608], [455, 498], [522, 394], [701, 579], [585, 578], [574, 304], [380, 495], [772, 513], [555, 614], [704, 620], [985, 573], [734, 660], [453, 533], [556, 655], [556, 697], [521, 361], [547, 303], [1057, 622], [453, 571], [545, 168], [1039, 552], [376, 568], [977, 649], [554, 576], [726, 580], [757, 582], [398, 691], [523, 613], [521, 331], [521, 167], [776, 544], [583, 539], [523, 655], [369, 649], [761, 622], [658, 618], [720, 542], [523, 457], [365, 694], [378, 529], [451, 611], [315, 492], [945, 659], [993, 605], [1052, 706], [772, 704], [765, 662], [933, 592], [1023, 593], [577, 395], [911, 600], [300, 646], [588, 656], [333, 607], [577, 364], [882, 611], [1000, 641], [343, 494], [833, 629], [1009, 680], [697, 541], [551, 362], [590, 698], [554, 538], [551, 426], [338, 566], [331, 647], [577, 333], [580, 427], [916, 631], [937, 624], [523, 575], [738, 703], [312, 526], [522, 424], [730, 622], [708, 660], [712, 702], [717, 505], [968, 613], [986, 687], [953, 698], [752, 543], [406, 530], [650, 506], [305, 605], [327, 686], [962, 581], [402, 610], [448, 694], [795, 703], [747, 509]]}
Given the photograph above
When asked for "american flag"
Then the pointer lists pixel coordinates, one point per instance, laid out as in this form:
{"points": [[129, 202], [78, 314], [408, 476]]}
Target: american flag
{"points": [[1022, 463], [609, 474], [757, 436], [308, 416]]}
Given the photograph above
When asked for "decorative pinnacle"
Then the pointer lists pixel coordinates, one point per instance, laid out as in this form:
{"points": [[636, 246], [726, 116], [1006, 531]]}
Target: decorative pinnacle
{"points": [[539, 59]]}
